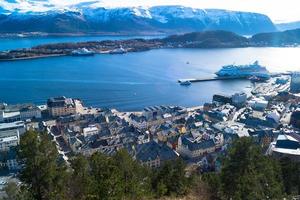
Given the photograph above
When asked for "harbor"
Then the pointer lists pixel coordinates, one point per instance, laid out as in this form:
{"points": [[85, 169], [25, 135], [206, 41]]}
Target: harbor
{"points": [[253, 72], [216, 78]]}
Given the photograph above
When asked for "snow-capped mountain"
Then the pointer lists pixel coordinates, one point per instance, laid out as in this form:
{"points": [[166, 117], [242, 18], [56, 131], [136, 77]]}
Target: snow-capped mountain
{"points": [[84, 18]]}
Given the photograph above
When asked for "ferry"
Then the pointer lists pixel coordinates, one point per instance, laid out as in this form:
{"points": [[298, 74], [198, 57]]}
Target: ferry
{"points": [[120, 50], [83, 52], [244, 71]]}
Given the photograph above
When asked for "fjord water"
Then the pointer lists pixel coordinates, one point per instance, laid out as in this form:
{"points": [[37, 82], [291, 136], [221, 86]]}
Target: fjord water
{"points": [[135, 80]]}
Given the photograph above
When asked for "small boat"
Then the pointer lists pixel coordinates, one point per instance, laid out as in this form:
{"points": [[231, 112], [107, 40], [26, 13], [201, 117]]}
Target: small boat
{"points": [[185, 83], [257, 79]]}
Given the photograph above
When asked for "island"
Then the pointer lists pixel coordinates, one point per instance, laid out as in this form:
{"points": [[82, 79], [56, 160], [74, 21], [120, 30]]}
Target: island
{"points": [[206, 39]]}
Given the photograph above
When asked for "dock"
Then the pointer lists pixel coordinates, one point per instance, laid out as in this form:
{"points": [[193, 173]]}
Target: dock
{"points": [[216, 78], [194, 80]]}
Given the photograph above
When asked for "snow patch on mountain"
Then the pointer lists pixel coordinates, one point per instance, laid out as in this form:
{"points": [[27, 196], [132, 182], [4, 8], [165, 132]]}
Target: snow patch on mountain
{"points": [[85, 17]]}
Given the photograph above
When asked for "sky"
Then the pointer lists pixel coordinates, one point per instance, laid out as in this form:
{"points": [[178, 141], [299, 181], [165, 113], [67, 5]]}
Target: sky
{"points": [[277, 10]]}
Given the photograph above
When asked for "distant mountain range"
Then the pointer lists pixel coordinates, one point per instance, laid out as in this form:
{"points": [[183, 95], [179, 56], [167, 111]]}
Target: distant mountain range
{"points": [[288, 26], [133, 20]]}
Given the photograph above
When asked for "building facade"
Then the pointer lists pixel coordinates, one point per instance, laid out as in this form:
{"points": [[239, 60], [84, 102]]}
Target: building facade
{"points": [[61, 106]]}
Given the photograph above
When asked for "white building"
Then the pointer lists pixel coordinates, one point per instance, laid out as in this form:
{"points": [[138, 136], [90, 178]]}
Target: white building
{"points": [[12, 113], [10, 138], [6, 127], [258, 104], [9, 116], [30, 112], [286, 146], [90, 131], [274, 115], [239, 99]]}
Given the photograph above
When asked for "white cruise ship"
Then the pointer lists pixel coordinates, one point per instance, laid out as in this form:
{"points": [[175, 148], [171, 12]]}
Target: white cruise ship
{"points": [[244, 71]]}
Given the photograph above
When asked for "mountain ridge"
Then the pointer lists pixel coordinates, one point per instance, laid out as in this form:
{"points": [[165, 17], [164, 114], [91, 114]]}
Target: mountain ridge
{"points": [[166, 19]]}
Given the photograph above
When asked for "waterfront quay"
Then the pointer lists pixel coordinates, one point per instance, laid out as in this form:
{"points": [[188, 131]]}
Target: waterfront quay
{"points": [[199, 135], [217, 78]]}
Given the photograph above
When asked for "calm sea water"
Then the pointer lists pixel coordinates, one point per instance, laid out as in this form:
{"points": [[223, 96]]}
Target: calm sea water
{"points": [[135, 80]]}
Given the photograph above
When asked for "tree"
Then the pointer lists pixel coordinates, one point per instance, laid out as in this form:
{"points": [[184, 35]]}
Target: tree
{"points": [[107, 179], [248, 174], [81, 180], [135, 177], [15, 192], [291, 176], [42, 173], [171, 179]]}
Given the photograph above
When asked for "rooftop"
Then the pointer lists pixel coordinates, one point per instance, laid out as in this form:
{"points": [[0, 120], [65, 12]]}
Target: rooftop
{"points": [[17, 124]]}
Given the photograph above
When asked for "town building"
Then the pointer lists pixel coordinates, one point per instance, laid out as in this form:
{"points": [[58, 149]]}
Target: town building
{"points": [[286, 145], [259, 104], [5, 127], [11, 160], [295, 83], [153, 155], [8, 139], [30, 112], [222, 99], [12, 113], [239, 99], [61, 106], [191, 147], [90, 131], [295, 118], [7, 117]]}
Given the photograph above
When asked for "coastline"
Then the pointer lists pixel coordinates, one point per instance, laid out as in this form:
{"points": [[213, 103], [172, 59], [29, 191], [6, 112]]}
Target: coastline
{"points": [[196, 40], [33, 57]]}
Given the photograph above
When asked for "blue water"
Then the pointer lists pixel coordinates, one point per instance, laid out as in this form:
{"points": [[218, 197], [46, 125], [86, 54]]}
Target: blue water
{"points": [[135, 80]]}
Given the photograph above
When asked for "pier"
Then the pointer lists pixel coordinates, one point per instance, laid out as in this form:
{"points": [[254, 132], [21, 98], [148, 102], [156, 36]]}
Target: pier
{"points": [[216, 78], [194, 80]]}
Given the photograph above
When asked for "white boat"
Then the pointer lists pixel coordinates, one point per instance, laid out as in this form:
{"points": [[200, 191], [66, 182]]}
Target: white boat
{"points": [[120, 50], [82, 52], [244, 71]]}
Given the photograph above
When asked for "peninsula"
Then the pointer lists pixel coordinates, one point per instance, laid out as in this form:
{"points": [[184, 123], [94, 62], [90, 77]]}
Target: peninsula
{"points": [[206, 39]]}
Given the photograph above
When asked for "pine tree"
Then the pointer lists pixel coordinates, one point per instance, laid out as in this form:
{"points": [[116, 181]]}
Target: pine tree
{"points": [[135, 177], [44, 177], [81, 181], [248, 174]]}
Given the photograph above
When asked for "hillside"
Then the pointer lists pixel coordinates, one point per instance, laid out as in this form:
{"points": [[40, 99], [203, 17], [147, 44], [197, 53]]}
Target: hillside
{"points": [[290, 37], [208, 39]]}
